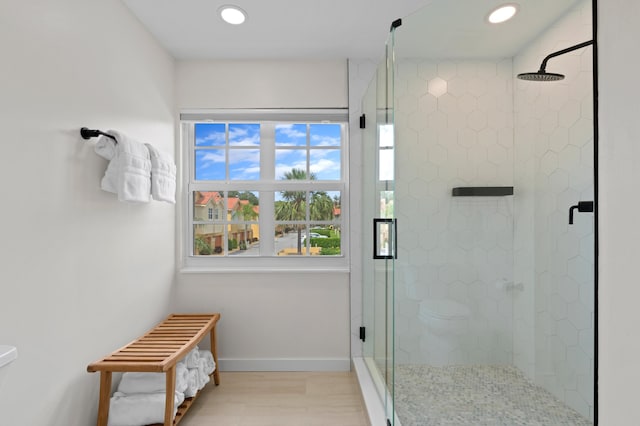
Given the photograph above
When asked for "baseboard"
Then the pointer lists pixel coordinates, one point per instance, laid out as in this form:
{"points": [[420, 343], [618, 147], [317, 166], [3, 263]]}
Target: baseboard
{"points": [[285, 364]]}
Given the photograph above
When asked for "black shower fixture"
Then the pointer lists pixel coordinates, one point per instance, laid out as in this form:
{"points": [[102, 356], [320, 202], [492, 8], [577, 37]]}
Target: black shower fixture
{"points": [[542, 74]]}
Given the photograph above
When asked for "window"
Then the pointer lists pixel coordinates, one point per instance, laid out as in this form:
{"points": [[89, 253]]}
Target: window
{"points": [[386, 171], [265, 188]]}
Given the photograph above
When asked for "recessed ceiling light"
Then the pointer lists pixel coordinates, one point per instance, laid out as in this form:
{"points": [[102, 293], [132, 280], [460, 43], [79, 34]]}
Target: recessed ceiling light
{"points": [[503, 13], [232, 14]]}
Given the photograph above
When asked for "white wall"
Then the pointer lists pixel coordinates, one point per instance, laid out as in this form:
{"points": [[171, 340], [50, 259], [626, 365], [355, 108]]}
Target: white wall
{"points": [[262, 84], [619, 173], [270, 320], [82, 274], [274, 321]]}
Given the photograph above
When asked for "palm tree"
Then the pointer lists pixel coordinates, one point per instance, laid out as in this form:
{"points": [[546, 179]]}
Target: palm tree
{"points": [[294, 204], [321, 206], [248, 214]]}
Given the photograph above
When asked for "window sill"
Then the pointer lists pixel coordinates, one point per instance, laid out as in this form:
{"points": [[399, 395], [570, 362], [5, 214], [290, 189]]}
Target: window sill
{"points": [[261, 270]]}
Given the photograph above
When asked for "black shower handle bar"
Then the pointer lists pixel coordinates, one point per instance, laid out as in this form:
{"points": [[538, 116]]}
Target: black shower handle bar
{"points": [[90, 133], [543, 66]]}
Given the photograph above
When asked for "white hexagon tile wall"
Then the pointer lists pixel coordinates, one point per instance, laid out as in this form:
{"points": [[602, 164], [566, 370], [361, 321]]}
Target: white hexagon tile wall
{"points": [[454, 124]]}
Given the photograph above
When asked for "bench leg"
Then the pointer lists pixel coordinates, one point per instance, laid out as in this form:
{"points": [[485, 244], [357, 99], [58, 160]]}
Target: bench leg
{"points": [[214, 352], [105, 395], [170, 396]]}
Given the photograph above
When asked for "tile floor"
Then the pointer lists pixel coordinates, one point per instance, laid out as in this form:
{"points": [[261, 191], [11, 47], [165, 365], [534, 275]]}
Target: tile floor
{"points": [[476, 396]]}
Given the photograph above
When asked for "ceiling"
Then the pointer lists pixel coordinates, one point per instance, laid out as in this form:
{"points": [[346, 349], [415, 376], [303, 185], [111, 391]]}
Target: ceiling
{"points": [[192, 29]]}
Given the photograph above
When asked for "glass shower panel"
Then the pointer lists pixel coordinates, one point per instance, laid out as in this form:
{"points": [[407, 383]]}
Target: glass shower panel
{"points": [[373, 335], [386, 191], [555, 159], [379, 239]]}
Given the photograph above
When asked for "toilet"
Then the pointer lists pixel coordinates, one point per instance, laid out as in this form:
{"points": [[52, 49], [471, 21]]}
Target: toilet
{"points": [[446, 328]]}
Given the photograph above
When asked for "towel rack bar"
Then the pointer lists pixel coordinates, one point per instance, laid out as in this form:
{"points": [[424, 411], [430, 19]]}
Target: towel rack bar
{"points": [[89, 133]]}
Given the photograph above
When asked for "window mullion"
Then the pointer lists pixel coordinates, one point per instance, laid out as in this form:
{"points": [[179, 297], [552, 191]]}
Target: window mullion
{"points": [[267, 198], [189, 177], [267, 151], [267, 223]]}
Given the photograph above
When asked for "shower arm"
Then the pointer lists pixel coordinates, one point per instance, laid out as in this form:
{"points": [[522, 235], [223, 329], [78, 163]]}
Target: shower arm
{"points": [[543, 66]]}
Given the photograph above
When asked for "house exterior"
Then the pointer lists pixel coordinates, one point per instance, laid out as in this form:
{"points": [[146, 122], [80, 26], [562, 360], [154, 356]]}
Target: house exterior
{"points": [[210, 207]]}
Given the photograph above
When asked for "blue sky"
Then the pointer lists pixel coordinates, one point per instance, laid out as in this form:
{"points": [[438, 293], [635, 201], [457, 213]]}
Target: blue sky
{"points": [[244, 162], [244, 153], [325, 164]]}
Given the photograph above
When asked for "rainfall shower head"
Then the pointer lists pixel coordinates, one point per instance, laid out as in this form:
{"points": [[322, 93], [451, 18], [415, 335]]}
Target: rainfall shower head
{"points": [[541, 74]]}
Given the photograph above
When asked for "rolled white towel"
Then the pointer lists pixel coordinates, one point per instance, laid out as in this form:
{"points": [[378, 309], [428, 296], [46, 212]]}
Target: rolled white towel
{"points": [[210, 363], [203, 377], [133, 383], [193, 383], [191, 360], [140, 409]]}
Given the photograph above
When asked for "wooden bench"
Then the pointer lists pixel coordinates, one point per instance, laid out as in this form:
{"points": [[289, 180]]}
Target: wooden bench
{"points": [[158, 351]]}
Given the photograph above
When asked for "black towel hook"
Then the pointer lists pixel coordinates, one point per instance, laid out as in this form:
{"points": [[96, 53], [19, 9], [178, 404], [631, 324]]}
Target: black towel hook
{"points": [[89, 133]]}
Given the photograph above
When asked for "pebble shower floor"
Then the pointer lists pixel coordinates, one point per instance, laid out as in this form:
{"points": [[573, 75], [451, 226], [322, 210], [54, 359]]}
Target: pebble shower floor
{"points": [[476, 396]]}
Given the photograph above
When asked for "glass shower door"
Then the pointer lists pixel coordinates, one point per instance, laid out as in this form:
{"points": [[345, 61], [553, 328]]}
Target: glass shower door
{"points": [[379, 233], [494, 282]]}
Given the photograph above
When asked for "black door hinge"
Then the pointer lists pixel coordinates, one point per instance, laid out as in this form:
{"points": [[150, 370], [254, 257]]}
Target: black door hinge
{"points": [[362, 121], [362, 333], [388, 422]]}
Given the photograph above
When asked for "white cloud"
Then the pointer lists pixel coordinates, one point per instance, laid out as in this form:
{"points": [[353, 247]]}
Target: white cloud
{"points": [[245, 173], [326, 169], [244, 155], [241, 136], [211, 139], [321, 140], [291, 131], [209, 158]]}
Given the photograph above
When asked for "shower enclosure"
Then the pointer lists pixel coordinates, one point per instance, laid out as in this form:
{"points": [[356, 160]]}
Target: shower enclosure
{"points": [[478, 294]]}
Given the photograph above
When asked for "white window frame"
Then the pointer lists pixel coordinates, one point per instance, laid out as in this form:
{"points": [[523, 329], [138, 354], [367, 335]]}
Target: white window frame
{"points": [[191, 263]]}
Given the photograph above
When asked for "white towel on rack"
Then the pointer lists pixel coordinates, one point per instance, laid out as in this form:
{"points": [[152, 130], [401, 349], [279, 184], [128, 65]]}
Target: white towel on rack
{"points": [[129, 171], [105, 147], [209, 363], [203, 377], [132, 383], [163, 175], [193, 383], [191, 359], [140, 409]]}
